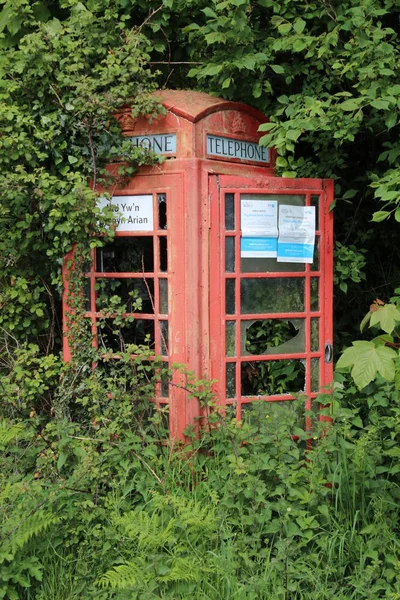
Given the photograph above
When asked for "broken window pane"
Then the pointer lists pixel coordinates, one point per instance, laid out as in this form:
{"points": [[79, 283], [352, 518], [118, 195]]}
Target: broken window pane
{"points": [[128, 295], [126, 255], [117, 334], [273, 336], [230, 338], [229, 212], [230, 296], [163, 254], [272, 295], [162, 211], [230, 380], [271, 377], [230, 254]]}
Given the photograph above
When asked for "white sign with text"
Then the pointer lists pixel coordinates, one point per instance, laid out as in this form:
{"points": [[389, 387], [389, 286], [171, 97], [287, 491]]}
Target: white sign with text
{"points": [[135, 213]]}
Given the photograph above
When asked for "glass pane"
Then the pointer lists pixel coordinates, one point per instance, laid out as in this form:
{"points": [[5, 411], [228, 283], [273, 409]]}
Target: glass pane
{"points": [[315, 375], [230, 296], [229, 212], [270, 265], [273, 336], [116, 335], [284, 411], [315, 263], [163, 254], [315, 202], [260, 378], [230, 338], [164, 337], [230, 254], [165, 380], [162, 211], [314, 335], [126, 255], [315, 293], [88, 296], [272, 295], [230, 380], [128, 295], [164, 296]]}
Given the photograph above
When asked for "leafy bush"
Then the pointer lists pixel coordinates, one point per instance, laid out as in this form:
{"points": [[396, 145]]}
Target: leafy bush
{"points": [[95, 503]]}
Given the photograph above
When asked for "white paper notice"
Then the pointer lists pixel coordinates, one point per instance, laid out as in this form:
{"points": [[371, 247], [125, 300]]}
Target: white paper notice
{"points": [[259, 225], [135, 212], [296, 234]]}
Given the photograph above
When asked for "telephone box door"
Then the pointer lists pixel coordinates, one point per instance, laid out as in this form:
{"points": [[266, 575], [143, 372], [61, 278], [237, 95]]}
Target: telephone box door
{"points": [[270, 299]]}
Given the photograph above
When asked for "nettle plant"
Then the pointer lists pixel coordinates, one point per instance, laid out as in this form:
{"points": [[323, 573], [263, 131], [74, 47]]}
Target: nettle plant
{"points": [[367, 360]]}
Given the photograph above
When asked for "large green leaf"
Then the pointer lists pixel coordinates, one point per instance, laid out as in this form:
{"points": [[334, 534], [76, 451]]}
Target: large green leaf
{"points": [[386, 317], [366, 360]]}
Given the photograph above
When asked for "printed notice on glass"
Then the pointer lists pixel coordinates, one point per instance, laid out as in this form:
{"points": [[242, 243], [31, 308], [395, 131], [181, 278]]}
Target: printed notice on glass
{"points": [[259, 225], [296, 234], [133, 213]]}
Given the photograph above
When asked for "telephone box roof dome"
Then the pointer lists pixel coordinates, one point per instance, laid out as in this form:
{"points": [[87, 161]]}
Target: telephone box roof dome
{"points": [[194, 106]]}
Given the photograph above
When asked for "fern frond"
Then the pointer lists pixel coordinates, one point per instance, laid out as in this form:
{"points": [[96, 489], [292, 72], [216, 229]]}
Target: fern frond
{"points": [[183, 569], [195, 514], [32, 526], [121, 576], [147, 529], [9, 432]]}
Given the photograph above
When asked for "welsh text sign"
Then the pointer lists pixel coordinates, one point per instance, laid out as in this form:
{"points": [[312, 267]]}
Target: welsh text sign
{"points": [[135, 213]]}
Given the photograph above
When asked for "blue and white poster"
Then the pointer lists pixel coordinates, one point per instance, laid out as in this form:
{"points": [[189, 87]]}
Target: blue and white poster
{"points": [[296, 234], [259, 225]]}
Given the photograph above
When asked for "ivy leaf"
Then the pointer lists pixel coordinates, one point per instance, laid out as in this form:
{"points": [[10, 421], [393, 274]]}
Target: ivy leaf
{"points": [[366, 360]]}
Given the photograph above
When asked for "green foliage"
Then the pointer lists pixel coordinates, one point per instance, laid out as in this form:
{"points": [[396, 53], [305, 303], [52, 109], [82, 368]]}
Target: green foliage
{"points": [[63, 75], [94, 502], [349, 265], [381, 355], [97, 507]]}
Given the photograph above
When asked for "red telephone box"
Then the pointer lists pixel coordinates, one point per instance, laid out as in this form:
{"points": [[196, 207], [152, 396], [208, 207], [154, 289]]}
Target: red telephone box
{"points": [[213, 243]]}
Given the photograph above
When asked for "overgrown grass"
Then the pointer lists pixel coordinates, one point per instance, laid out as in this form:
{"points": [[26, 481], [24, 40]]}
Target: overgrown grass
{"points": [[95, 505]]}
